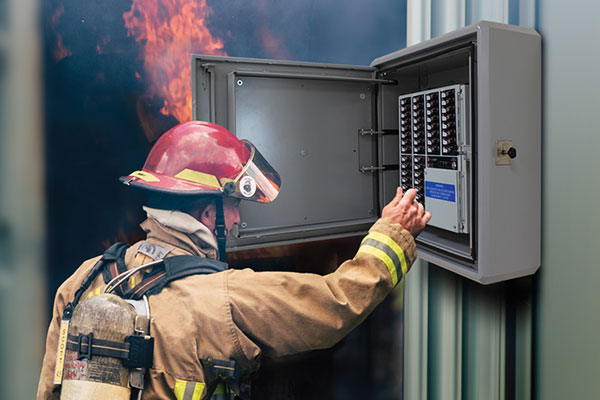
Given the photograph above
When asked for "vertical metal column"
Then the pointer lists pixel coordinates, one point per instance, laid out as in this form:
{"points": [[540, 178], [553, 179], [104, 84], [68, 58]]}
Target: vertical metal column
{"points": [[489, 10], [416, 308], [484, 346], [445, 334], [418, 23], [446, 16], [527, 13]]}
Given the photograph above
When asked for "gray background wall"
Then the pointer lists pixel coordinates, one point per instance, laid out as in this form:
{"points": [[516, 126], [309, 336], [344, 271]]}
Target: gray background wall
{"points": [[567, 340]]}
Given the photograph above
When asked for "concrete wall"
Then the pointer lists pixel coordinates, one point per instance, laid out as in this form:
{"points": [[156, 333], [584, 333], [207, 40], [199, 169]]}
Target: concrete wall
{"points": [[567, 338]]}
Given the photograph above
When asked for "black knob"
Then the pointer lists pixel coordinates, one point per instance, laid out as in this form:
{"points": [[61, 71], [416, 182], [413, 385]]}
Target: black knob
{"points": [[229, 188], [512, 152]]}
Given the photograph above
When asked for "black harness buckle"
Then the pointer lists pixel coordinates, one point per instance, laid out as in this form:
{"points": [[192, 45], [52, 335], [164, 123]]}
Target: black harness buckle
{"points": [[221, 231], [80, 343], [141, 351]]}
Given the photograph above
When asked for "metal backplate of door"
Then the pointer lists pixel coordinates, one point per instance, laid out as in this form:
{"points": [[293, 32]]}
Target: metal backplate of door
{"points": [[305, 119]]}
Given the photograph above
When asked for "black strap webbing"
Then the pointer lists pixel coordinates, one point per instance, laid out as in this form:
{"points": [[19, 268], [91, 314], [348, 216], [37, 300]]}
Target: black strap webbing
{"points": [[220, 231], [135, 352], [171, 269], [114, 254], [99, 347], [181, 266]]}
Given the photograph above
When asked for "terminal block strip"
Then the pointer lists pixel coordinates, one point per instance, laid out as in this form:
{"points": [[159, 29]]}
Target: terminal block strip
{"points": [[433, 136]]}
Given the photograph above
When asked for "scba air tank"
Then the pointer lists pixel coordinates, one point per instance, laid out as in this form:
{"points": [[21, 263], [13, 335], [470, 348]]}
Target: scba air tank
{"points": [[105, 317]]}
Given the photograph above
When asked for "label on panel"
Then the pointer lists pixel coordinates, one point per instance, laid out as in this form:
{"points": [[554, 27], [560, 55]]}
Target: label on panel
{"points": [[440, 191], [440, 198]]}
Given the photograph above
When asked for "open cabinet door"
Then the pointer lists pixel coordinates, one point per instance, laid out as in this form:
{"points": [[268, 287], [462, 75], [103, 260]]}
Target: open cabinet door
{"points": [[309, 121]]}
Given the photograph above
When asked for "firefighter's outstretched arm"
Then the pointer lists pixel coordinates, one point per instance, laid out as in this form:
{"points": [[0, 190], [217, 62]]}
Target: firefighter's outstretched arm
{"points": [[286, 313]]}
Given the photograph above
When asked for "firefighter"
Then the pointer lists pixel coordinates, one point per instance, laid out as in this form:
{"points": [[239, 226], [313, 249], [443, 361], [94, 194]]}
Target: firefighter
{"points": [[211, 330]]}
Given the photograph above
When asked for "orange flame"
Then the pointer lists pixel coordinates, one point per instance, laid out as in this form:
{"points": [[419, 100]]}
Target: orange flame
{"points": [[60, 51], [170, 31]]}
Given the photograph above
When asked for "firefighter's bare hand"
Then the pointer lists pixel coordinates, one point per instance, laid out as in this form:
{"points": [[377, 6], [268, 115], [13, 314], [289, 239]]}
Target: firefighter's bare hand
{"points": [[406, 211]]}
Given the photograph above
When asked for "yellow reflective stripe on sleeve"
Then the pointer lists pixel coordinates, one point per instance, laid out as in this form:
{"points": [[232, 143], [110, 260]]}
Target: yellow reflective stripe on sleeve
{"points": [[179, 389], [380, 254], [199, 177], [380, 237], [188, 390]]}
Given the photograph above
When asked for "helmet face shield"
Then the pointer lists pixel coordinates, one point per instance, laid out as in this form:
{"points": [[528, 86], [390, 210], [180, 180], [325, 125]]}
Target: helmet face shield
{"points": [[258, 180]]}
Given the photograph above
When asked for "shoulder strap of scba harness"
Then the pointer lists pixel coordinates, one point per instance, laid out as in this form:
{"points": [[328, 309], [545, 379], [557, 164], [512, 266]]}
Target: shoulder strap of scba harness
{"points": [[115, 272], [160, 273], [112, 265]]}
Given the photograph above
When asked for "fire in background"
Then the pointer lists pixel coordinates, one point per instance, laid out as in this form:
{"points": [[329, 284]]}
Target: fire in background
{"points": [[169, 32]]}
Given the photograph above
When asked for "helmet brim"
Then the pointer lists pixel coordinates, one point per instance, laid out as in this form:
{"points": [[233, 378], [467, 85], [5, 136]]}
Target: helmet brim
{"points": [[169, 185]]}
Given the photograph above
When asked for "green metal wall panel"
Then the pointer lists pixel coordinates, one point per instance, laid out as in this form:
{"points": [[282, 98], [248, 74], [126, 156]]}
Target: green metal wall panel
{"points": [[568, 321]]}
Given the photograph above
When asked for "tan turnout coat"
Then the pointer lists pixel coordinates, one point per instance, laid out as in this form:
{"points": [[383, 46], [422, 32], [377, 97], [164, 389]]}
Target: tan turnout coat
{"points": [[243, 315]]}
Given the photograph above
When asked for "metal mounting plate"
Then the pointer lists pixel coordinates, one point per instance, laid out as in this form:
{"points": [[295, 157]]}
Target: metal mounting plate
{"points": [[502, 147]]}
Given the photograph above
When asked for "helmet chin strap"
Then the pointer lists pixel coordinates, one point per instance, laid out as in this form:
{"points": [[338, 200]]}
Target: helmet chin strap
{"points": [[220, 230]]}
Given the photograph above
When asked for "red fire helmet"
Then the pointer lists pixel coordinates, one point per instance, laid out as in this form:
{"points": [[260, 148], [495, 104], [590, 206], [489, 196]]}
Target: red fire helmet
{"points": [[200, 158]]}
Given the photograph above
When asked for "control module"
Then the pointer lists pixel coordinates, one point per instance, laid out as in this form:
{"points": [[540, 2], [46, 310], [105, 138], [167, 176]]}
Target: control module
{"points": [[435, 153]]}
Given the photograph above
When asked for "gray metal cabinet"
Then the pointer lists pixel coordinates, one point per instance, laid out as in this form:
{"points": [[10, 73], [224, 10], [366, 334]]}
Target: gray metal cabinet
{"points": [[338, 137]]}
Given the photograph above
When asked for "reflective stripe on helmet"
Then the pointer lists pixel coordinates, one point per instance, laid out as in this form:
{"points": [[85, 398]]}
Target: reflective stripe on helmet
{"points": [[199, 177], [145, 176]]}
